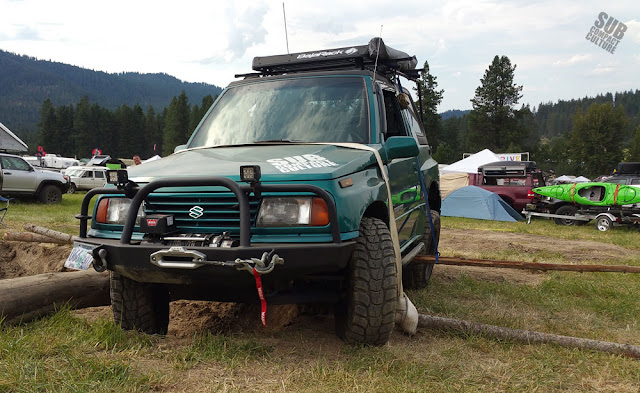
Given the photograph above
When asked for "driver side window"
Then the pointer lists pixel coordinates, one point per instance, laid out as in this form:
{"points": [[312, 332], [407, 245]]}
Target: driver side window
{"points": [[395, 125]]}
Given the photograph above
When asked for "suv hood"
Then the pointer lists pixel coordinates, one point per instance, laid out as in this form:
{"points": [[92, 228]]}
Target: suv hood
{"points": [[278, 162]]}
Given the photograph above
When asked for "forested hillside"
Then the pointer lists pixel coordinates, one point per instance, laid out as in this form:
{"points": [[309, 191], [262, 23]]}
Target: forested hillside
{"points": [[550, 133], [554, 119], [26, 82]]}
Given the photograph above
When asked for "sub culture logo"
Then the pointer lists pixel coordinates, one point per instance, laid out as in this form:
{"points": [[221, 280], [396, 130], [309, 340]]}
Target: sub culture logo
{"points": [[606, 32], [300, 163]]}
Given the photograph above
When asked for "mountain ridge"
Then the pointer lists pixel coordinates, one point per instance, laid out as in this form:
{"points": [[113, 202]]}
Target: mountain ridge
{"points": [[26, 82]]}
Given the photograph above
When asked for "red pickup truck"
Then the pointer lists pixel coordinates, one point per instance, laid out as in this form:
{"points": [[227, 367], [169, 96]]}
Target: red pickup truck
{"points": [[513, 181]]}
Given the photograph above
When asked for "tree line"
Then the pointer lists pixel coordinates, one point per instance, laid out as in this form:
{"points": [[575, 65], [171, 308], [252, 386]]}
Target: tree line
{"points": [[75, 131], [587, 137]]}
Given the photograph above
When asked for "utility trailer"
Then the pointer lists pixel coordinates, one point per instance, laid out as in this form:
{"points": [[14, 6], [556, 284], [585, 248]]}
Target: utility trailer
{"points": [[605, 218]]}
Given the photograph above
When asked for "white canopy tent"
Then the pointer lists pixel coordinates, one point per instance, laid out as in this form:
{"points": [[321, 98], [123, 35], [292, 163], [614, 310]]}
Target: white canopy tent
{"points": [[471, 163]]}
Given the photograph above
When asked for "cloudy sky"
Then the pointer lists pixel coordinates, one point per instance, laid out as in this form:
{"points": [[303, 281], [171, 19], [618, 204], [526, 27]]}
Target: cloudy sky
{"points": [[210, 41]]}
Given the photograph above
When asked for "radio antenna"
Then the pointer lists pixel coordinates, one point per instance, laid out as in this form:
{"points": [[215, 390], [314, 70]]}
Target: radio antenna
{"points": [[286, 35], [375, 65]]}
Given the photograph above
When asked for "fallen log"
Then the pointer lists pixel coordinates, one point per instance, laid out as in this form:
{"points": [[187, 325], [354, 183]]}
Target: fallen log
{"points": [[526, 336], [49, 232], [31, 237], [527, 265], [26, 298]]}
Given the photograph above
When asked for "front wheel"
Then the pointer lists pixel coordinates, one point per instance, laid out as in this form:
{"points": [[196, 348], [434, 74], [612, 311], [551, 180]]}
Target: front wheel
{"points": [[367, 313], [72, 189], [139, 306], [416, 275], [50, 194]]}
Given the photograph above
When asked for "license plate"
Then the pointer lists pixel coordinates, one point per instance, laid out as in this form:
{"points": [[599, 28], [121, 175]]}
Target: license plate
{"points": [[80, 257]]}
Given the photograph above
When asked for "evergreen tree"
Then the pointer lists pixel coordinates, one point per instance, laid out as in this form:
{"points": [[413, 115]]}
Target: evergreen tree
{"points": [[492, 122], [47, 125], [431, 97], [82, 127], [63, 142], [634, 149], [597, 138], [198, 112], [176, 127], [152, 133]]}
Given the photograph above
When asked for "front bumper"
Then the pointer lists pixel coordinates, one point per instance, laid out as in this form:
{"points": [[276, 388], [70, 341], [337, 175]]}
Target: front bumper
{"points": [[300, 260]]}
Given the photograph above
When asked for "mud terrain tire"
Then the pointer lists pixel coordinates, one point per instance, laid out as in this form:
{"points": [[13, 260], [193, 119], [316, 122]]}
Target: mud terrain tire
{"points": [[139, 306], [50, 194], [367, 313], [416, 275]]}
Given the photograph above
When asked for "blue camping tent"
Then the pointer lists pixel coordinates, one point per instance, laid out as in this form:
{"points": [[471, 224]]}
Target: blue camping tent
{"points": [[475, 202]]}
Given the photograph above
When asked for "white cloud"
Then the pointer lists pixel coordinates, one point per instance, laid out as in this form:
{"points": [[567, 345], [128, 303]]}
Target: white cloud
{"points": [[633, 31], [575, 59], [602, 69]]}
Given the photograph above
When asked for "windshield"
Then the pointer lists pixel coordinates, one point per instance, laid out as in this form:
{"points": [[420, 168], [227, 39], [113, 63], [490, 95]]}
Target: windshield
{"points": [[327, 109]]}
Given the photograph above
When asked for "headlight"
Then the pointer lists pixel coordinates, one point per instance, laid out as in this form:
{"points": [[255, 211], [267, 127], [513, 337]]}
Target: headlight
{"points": [[292, 211], [114, 211]]}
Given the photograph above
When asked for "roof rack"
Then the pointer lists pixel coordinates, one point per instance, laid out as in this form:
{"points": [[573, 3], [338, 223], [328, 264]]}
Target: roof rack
{"points": [[353, 57]]}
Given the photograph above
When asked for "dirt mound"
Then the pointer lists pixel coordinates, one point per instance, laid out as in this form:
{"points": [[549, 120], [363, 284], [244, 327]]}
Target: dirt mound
{"points": [[192, 317], [189, 317], [19, 259]]}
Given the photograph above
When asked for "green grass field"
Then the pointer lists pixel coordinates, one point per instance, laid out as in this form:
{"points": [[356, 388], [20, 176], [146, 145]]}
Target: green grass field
{"points": [[66, 353]]}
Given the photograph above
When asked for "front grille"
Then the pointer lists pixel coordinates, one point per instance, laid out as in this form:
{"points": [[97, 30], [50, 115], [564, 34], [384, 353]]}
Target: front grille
{"points": [[220, 210]]}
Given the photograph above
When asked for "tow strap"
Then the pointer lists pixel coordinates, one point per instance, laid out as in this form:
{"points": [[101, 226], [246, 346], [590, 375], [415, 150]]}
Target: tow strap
{"points": [[615, 194], [263, 301]]}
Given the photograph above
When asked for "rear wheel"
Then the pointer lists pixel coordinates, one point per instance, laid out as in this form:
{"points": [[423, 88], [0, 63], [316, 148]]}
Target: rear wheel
{"points": [[139, 306], [50, 194], [416, 275], [367, 313], [604, 223]]}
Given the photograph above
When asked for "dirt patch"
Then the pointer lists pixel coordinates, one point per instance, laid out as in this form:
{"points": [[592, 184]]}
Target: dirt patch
{"points": [[19, 259]]}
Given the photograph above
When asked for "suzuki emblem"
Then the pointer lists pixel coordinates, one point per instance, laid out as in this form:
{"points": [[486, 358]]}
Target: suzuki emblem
{"points": [[196, 212]]}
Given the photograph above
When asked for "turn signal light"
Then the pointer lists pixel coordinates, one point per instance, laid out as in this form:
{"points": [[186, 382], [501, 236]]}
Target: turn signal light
{"points": [[101, 214], [319, 213]]}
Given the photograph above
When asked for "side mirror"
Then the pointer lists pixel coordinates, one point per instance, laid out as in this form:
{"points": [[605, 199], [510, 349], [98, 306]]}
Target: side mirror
{"points": [[179, 148], [401, 147]]}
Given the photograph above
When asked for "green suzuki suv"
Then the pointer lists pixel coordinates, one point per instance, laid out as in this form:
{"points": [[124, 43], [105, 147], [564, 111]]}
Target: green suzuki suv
{"points": [[307, 181]]}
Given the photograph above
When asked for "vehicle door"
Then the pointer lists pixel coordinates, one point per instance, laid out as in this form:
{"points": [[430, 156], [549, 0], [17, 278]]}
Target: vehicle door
{"points": [[85, 180], [403, 176], [18, 175], [99, 178]]}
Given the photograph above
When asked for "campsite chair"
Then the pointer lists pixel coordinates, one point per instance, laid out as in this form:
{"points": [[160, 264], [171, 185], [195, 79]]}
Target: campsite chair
{"points": [[3, 211]]}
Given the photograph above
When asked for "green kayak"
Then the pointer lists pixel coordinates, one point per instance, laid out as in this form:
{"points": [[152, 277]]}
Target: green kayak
{"points": [[593, 194]]}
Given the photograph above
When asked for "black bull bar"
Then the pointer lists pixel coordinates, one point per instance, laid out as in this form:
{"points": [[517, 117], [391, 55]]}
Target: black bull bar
{"points": [[241, 192]]}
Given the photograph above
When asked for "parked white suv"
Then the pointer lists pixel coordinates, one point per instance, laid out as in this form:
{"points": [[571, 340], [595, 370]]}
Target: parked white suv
{"points": [[19, 178], [86, 177]]}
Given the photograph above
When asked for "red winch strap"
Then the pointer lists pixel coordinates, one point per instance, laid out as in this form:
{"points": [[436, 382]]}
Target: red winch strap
{"points": [[615, 194], [572, 193], [263, 301]]}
